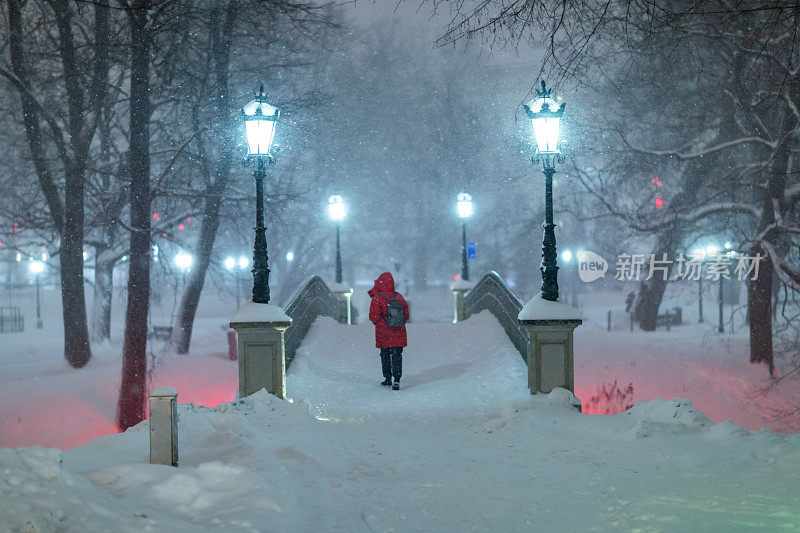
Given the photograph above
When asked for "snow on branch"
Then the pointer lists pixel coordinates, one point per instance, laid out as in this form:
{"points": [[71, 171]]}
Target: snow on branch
{"points": [[710, 150]]}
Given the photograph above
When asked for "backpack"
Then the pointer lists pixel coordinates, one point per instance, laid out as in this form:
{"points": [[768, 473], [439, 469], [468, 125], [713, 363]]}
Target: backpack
{"points": [[396, 317]]}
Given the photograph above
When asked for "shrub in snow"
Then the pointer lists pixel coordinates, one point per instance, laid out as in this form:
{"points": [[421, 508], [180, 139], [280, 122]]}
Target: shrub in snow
{"points": [[610, 399]]}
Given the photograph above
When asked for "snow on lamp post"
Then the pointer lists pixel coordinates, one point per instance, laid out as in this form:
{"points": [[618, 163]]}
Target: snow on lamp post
{"points": [[545, 118], [37, 267], [337, 211], [260, 119], [550, 324], [464, 212]]}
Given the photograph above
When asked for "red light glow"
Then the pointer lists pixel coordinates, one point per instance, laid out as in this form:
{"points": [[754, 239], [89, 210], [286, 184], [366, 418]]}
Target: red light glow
{"points": [[657, 181], [659, 203], [458, 277], [181, 227], [156, 216]]}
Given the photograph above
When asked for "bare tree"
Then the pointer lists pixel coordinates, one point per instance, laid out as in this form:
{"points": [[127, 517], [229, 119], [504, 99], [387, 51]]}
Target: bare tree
{"points": [[70, 138]]}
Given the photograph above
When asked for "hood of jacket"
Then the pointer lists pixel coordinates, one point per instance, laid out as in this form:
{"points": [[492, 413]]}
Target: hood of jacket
{"points": [[384, 285]]}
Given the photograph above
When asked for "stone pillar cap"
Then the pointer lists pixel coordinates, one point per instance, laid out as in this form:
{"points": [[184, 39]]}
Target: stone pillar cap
{"points": [[462, 285], [340, 288], [253, 313], [163, 391], [540, 309]]}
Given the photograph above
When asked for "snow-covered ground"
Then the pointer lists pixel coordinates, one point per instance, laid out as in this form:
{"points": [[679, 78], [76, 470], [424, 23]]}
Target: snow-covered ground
{"points": [[45, 402], [462, 446]]}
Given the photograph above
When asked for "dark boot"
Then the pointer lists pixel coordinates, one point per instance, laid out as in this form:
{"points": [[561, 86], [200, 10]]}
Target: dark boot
{"points": [[386, 382]]}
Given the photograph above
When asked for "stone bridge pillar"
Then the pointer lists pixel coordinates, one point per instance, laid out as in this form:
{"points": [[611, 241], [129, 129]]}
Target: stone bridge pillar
{"points": [[262, 356], [460, 289], [550, 350], [344, 294]]}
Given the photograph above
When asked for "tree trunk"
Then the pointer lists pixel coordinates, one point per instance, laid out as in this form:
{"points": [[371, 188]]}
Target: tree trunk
{"points": [[103, 295], [76, 328], [651, 291], [759, 303], [220, 51], [130, 409]]}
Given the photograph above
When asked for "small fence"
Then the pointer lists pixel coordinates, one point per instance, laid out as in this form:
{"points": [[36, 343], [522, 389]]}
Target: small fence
{"points": [[11, 319], [491, 294], [313, 300]]}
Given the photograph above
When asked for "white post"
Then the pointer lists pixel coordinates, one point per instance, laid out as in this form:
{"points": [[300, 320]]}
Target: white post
{"points": [[262, 356], [344, 294], [164, 426], [460, 289]]}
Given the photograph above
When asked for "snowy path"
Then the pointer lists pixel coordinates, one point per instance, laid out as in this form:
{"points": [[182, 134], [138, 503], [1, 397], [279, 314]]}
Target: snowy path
{"points": [[462, 447], [465, 368]]}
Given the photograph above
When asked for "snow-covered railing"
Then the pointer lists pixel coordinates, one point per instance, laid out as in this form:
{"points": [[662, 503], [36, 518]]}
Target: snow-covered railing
{"points": [[492, 294], [313, 300]]}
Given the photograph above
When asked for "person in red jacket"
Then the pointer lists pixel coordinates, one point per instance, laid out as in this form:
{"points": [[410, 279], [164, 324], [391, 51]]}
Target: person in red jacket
{"points": [[390, 330]]}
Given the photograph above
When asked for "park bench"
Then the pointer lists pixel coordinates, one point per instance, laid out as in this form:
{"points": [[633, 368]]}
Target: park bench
{"points": [[162, 332], [675, 316]]}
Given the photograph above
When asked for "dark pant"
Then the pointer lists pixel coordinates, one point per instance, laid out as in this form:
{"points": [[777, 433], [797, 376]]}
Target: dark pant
{"points": [[392, 362]]}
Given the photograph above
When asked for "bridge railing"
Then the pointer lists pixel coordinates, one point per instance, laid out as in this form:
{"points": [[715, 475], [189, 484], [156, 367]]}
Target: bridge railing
{"points": [[493, 295], [313, 300]]}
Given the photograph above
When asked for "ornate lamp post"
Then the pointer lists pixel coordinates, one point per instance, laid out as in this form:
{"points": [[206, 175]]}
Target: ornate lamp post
{"points": [[337, 212], [259, 120], [550, 323], [464, 212], [260, 326], [545, 118]]}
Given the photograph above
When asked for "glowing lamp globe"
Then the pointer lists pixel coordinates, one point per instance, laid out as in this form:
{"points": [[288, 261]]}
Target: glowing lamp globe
{"points": [[230, 263], [183, 261], [464, 205], [336, 208], [36, 267], [244, 262], [545, 115], [259, 120]]}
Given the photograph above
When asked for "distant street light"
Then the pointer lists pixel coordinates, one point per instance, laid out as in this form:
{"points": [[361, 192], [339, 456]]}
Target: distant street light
{"points": [[337, 211], [235, 267], [36, 268], [184, 262], [704, 255], [566, 255], [464, 212], [546, 137], [260, 119]]}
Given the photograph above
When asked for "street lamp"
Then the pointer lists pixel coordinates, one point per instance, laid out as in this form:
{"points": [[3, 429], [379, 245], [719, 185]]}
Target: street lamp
{"points": [[337, 211], [464, 212], [703, 255], [545, 117], [36, 268], [699, 254], [259, 120], [234, 266]]}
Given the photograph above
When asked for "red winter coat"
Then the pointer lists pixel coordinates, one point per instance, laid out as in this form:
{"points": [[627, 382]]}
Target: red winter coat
{"points": [[386, 337]]}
